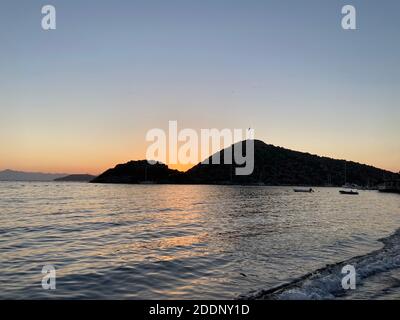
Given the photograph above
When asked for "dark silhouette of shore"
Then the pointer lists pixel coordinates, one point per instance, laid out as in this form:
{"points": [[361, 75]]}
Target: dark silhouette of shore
{"points": [[272, 166]]}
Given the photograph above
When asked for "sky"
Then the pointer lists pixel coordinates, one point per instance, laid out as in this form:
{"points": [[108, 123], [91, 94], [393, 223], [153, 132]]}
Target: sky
{"points": [[81, 98]]}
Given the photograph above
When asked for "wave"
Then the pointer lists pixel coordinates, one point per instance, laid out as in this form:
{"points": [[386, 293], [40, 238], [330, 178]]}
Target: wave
{"points": [[326, 283]]}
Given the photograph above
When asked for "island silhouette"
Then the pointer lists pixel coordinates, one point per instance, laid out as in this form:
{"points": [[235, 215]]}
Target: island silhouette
{"points": [[272, 166]]}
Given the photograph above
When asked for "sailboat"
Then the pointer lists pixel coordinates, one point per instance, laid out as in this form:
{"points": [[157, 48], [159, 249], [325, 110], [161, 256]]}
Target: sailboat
{"points": [[346, 185]]}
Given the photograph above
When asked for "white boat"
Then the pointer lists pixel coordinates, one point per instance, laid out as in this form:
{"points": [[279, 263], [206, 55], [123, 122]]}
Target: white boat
{"points": [[350, 192]]}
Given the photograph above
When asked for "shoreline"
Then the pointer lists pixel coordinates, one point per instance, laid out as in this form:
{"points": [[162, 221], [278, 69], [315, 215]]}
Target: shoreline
{"points": [[325, 283], [188, 184]]}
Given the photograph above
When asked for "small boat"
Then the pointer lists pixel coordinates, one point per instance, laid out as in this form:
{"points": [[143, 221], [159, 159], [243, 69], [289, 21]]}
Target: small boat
{"points": [[303, 190], [351, 192]]}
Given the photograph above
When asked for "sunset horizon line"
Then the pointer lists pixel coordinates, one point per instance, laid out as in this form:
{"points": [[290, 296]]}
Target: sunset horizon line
{"points": [[179, 167]]}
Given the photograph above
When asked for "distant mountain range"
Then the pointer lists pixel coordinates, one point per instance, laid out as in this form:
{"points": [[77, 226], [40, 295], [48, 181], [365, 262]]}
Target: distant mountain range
{"points": [[273, 166], [10, 175], [76, 178]]}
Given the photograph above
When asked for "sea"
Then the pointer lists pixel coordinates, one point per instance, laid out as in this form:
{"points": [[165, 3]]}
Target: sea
{"points": [[106, 241]]}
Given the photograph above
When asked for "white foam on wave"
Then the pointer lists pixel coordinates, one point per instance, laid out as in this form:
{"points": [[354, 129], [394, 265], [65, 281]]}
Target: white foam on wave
{"points": [[326, 283]]}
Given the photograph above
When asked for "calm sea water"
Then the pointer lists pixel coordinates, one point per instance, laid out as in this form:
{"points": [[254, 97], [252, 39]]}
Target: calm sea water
{"points": [[170, 241]]}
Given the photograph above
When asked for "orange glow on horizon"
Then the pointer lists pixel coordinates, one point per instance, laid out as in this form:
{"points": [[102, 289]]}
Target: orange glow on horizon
{"points": [[79, 158]]}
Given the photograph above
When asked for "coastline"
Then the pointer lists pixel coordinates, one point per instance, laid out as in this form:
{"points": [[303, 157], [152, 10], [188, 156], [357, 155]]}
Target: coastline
{"points": [[325, 283]]}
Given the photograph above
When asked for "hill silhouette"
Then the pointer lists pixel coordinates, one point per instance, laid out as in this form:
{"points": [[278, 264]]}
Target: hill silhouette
{"points": [[139, 172], [280, 166], [273, 166]]}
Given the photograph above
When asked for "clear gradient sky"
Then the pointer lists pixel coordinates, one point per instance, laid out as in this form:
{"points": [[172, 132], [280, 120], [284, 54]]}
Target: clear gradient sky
{"points": [[81, 98]]}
